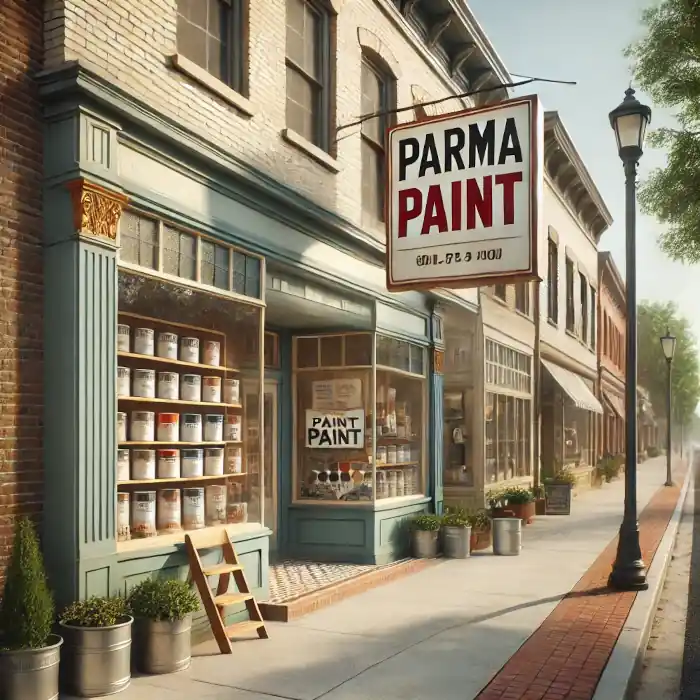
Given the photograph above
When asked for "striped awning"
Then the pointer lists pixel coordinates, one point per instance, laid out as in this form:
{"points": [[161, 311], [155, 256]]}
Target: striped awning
{"points": [[616, 404], [574, 387]]}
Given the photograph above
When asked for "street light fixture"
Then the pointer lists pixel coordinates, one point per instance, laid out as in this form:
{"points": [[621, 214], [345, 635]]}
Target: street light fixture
{"points": [[629, 122], [668, 345]]}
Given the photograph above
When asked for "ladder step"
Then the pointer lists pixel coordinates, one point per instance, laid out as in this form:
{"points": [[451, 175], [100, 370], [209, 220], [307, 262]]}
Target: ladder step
{"points": [[232, 598], [218, 569], [240, 628]]}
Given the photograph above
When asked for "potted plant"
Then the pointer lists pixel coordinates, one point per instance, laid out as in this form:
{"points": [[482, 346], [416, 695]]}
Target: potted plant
{"points": [[424, 535], [480, 537], [456, 531], [97, 650], [29, 653], [162, 610], [515, 502], [538, 495]]}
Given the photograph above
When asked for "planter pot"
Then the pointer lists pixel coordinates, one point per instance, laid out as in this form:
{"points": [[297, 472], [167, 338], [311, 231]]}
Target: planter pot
{"points": [[524, 511], [96, 660], [162, 646], [479, 539], [31, 674], [455, 541], [425, 544]]}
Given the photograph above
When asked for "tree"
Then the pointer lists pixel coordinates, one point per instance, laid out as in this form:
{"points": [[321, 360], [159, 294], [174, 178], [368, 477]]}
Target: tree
{"points": [[667, 67], [653, 320]]}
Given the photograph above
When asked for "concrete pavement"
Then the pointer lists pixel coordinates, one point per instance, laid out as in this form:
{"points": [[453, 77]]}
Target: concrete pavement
{"points": [[442, 633]]}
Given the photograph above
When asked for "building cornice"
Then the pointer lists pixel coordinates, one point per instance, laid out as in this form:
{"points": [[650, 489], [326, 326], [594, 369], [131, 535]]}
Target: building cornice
{"points": [[611, 278]]}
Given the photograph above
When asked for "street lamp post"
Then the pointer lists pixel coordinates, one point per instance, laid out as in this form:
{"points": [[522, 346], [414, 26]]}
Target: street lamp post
{"points": [[629, 122], [668, 345]]}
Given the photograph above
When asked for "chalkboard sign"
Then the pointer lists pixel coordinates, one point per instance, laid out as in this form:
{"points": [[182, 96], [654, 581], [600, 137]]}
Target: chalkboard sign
{"points": [[557, 499]]}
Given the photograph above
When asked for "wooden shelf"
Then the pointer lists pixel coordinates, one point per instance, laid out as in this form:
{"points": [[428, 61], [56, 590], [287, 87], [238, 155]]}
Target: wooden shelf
{"points": [[398, 464], [388, 439], [160, 443], [178, 402], [178, 480], [177, 363]]}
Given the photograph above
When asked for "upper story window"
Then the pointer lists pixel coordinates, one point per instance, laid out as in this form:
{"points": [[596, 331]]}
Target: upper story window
{"points": [[552, 281], [378, 97], [522, 298], [570, 308], [583, 282], [308, 59], [499, 291], [212, 34], [594, 330]]}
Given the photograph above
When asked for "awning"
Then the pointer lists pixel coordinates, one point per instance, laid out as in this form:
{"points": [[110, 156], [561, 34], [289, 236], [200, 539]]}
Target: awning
{"points": [[574, 387], [615, 403]]}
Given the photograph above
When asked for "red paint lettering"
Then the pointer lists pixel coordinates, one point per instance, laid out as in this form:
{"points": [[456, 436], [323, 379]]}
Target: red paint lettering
{"points": [[457, 205], [410, 206], [434, 211], [508, 181], [479, 201]]}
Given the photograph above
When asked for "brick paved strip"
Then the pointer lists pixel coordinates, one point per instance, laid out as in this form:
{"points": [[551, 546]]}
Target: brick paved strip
{"points": [[565, 657]]}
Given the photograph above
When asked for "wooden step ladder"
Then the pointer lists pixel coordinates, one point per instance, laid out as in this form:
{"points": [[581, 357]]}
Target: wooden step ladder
{"points": [[214, 605]]}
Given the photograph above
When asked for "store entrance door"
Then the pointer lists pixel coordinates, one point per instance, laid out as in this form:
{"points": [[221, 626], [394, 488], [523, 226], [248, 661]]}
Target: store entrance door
{"points": [[270, 448]]}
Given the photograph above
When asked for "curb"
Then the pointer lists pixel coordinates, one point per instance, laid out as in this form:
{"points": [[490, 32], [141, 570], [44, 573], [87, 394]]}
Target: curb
{"points": [[625, 663]]}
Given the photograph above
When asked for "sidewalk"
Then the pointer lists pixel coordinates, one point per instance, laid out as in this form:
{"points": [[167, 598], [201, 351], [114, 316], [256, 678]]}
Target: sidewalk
{"points": [[452, 631]]}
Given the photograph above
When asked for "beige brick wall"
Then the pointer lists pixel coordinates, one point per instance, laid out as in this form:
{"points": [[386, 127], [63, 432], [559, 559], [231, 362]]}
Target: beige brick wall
{"points": [[130, 40]]}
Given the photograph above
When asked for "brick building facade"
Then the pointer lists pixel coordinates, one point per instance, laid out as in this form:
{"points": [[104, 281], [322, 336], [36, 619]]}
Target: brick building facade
{"points": [[21, 400]]}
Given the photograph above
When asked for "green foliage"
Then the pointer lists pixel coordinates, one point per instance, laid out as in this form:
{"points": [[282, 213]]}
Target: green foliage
{"points": [[667, 67], [652, 321], [163, 599], [96, 611], [608, 468], [426, 522], [455, 517], [27, 606], [653, 451], [517, 495], [563, 476], [481, 520]]}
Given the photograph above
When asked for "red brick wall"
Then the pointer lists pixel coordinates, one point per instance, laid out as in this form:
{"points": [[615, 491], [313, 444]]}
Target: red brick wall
{"points": [[21, 281]]}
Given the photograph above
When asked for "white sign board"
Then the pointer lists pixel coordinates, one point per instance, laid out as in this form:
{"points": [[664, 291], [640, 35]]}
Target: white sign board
{"points": [[335, 429], [464, 193], [336, 394]]}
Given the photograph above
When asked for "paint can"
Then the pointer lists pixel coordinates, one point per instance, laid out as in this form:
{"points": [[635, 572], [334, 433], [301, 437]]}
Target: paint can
{"points": [[167, 346], [192, 464], [143, 467], [143, 514], [169, 385], [381, 454], [168, 427], [211, 389], [237, 512], [191, 427], [214, 461], [169, 511], [121, 427], [145, 383], [123, 513], [143, 426], [391, 454], [189, 350], [212, 353], [215, 505], [168, 464], [193, 508], [400, 483], [232, 392], [213, 427], [232, 430], [123, 473], [191, 387], [391, 483], [123, 338], [234, 459], [123, 381], [144, 341]]}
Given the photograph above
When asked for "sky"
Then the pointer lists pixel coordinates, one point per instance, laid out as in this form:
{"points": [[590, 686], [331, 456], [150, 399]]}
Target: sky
{"points": [[584, 42]]}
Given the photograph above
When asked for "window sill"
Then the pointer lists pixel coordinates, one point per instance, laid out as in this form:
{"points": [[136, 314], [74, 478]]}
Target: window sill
{"points": [[314, 152], [552, 323], [524, 314], [198, 74], [573, 335]]}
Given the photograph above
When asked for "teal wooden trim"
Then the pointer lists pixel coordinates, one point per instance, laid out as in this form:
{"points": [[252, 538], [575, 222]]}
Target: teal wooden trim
{"points": [[286, 442], [391, 530], [436, 440]]}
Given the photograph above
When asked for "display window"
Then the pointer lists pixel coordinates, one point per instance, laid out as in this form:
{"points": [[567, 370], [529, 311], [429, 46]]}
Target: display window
{"points": [[189, 383], [577, 442], [360, 426]]}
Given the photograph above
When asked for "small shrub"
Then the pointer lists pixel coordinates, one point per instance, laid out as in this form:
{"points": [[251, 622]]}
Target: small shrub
{"points": [[96, 611], [495, 498], [537, 492], [517, 495], [653, 451], [426, 522], [455, 518], [163, 599], [480, 520], [27, 606], [562, 477]]}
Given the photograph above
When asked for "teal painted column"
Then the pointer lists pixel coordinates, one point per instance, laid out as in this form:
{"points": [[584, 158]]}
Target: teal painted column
{"points": [[81, 221], [436, 440]]}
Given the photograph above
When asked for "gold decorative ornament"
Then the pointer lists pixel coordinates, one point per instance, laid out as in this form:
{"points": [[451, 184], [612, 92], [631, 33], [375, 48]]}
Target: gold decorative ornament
{"points": [[96, 210]]}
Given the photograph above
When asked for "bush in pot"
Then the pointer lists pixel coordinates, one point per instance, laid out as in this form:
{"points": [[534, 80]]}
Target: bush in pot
{"points": [[97, 651], [424, 535], [29, 652], [480, 537], [519, 502], [162, 610], [456, 530]]}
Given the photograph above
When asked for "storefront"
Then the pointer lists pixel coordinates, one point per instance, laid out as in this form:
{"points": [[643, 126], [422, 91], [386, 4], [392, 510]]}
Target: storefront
{"points": [[613, 420], [215, 360], [647, 427]]}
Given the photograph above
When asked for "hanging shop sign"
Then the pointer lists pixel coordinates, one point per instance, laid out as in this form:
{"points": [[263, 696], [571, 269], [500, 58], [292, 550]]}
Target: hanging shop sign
{"points": [[335, 429], [463, 197]]}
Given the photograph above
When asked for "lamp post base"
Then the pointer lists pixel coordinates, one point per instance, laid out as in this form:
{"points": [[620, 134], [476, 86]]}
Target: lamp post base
{"points": [[669, 483], [629, 572]]}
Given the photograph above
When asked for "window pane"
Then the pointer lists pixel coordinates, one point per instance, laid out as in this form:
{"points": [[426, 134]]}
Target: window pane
{"points": [[179, 253], [139, 240], [300, 105], [307, 352], [215, 266], [252, 277], [358, 350], [372, 101], [332, 351], [372, 180], [302, 36]]}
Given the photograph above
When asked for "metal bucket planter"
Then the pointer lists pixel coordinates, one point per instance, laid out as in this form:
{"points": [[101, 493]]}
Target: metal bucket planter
{"points": [[163, 646], [455, 541], [425, 544], [31, 674], [96, 660]]}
